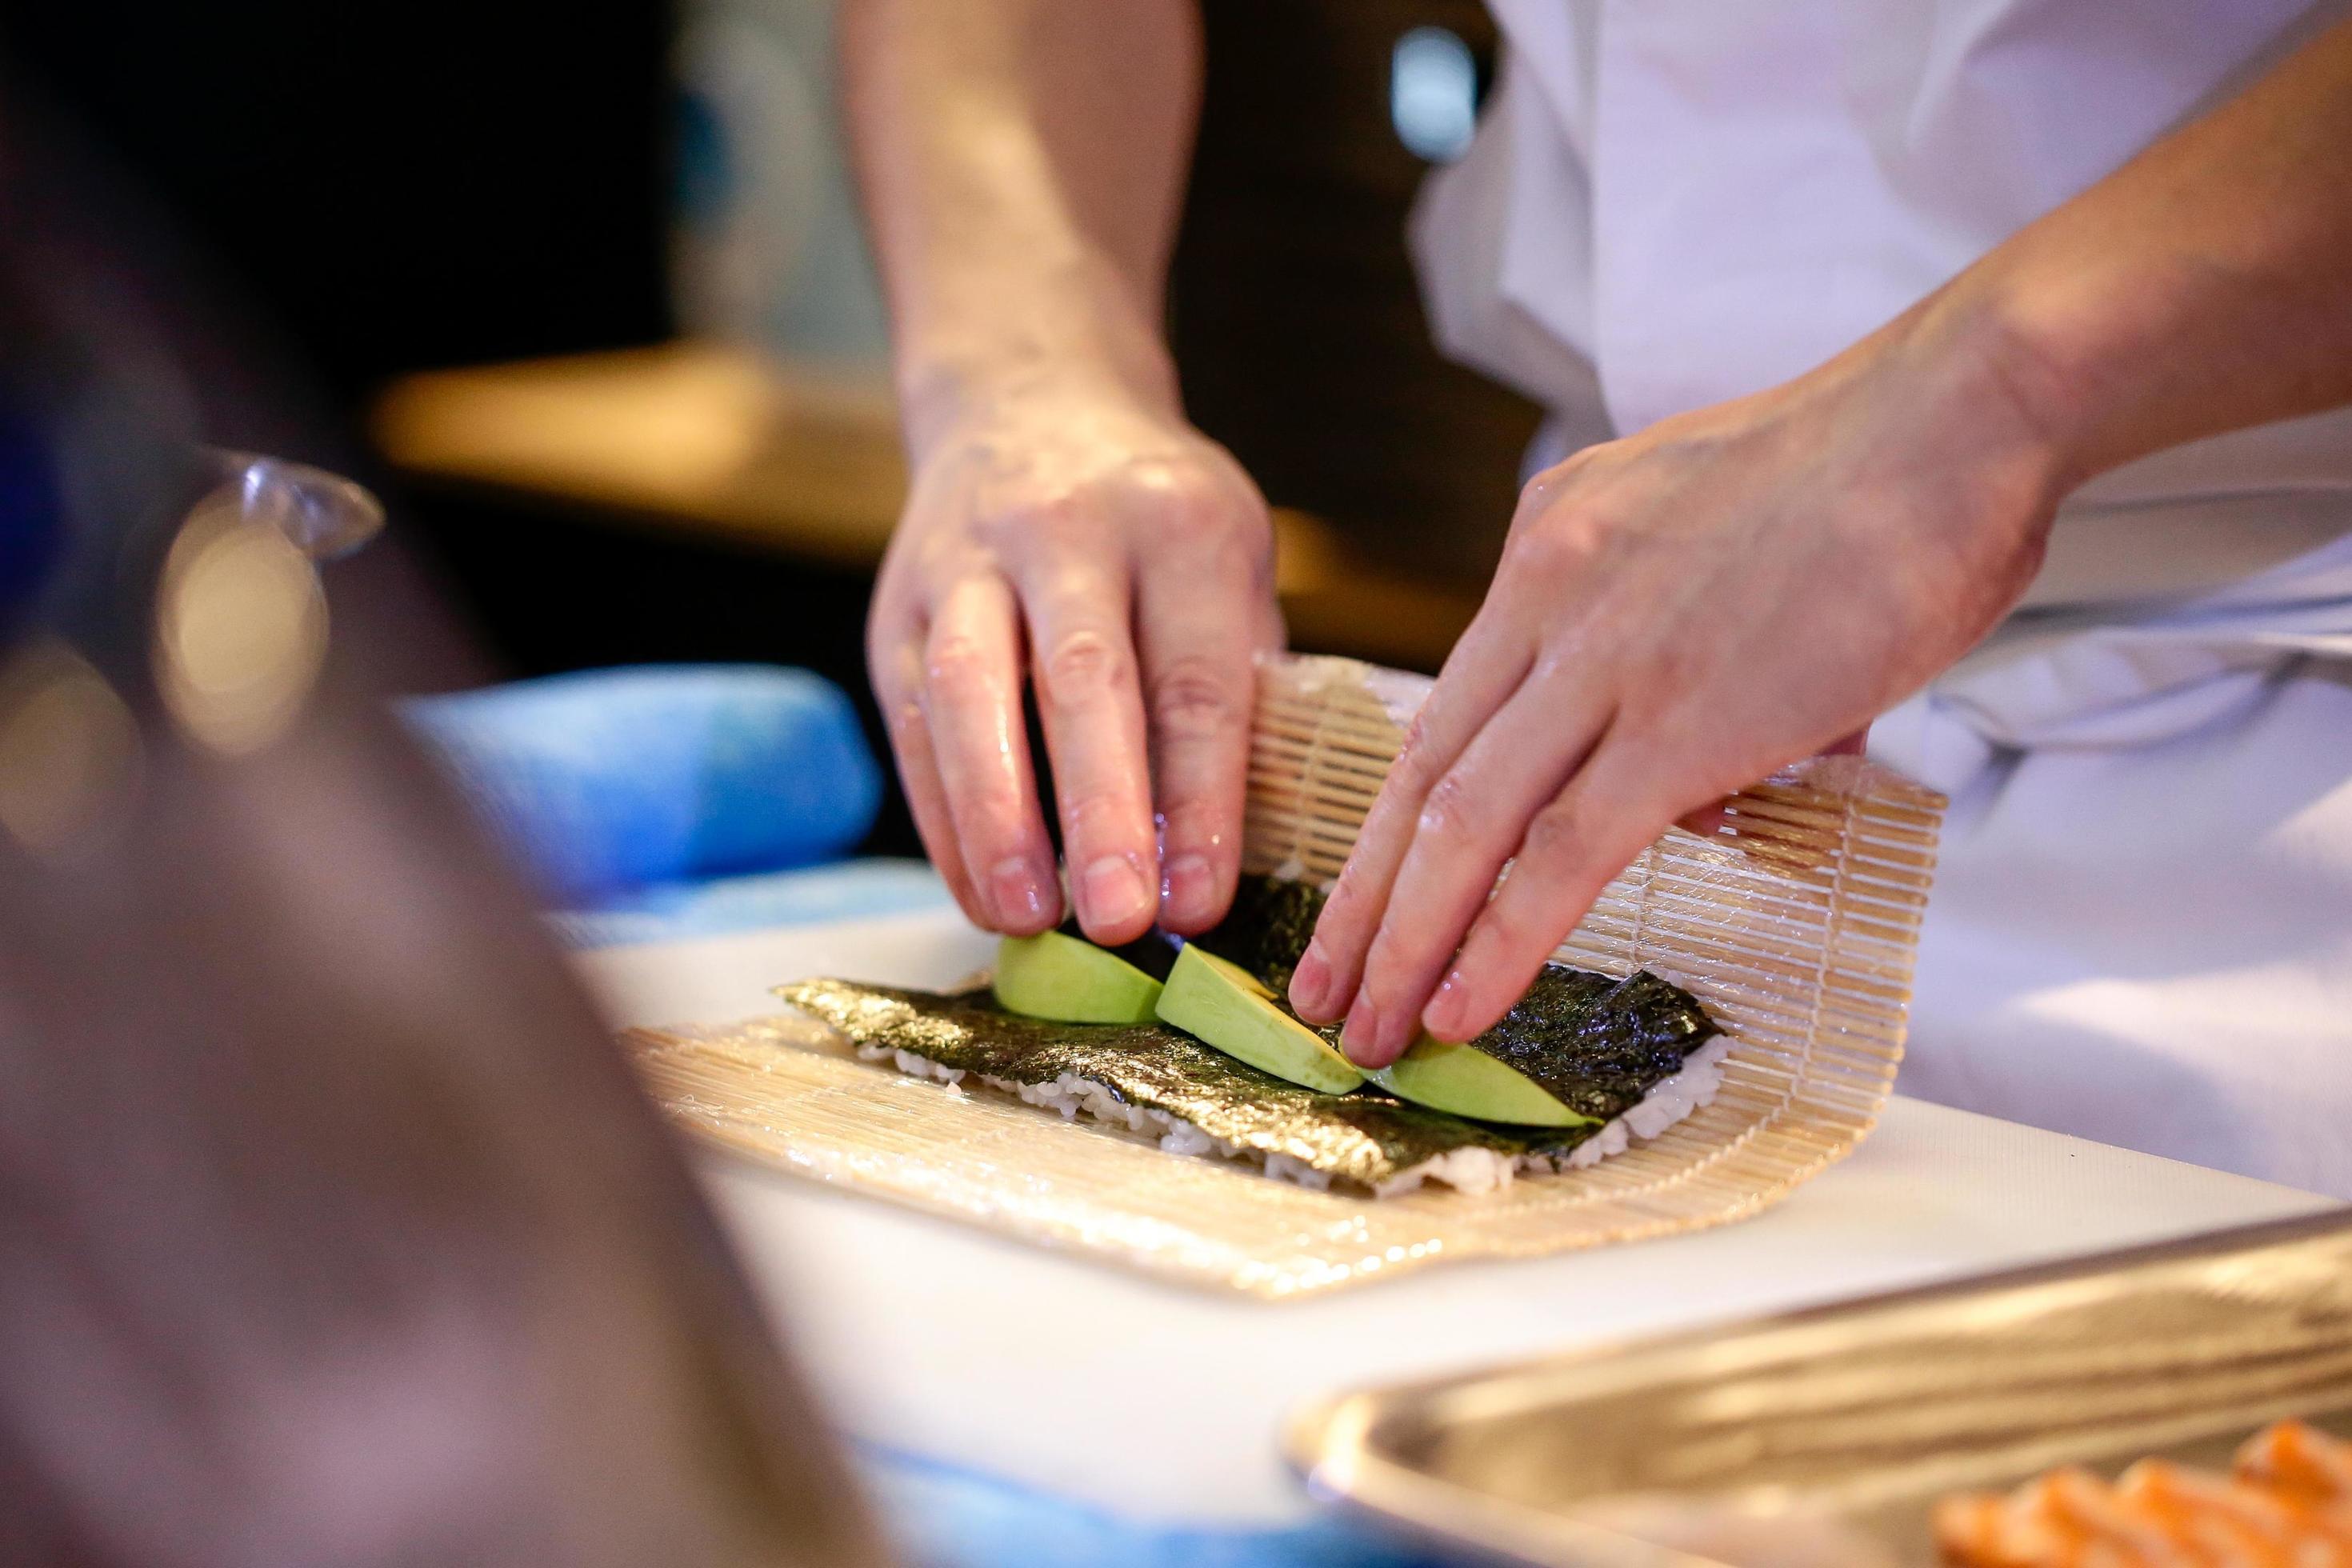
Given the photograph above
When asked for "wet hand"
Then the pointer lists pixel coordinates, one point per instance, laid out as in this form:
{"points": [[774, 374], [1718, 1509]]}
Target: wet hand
{"points": [[1676, 615], [1110, 554]]}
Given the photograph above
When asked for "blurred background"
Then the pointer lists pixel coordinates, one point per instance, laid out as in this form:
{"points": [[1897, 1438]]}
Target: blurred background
{"points": [[586, 285]]}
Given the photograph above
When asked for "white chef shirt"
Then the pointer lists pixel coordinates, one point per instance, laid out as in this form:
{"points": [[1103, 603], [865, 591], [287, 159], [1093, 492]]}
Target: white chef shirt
{"points": [[1671, 203], [2142, 926]]}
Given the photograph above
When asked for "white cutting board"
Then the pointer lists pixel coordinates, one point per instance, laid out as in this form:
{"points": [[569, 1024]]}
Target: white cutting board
{"points": [[1165, 1404]]}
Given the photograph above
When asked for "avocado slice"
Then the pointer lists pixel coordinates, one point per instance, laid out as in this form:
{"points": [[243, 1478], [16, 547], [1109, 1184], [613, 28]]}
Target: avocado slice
{"points": [[1468, 1082], [1071, 981], [1229, 1008]]}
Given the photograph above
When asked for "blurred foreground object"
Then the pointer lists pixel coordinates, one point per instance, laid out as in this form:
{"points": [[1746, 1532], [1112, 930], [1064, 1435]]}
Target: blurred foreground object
{"points": [[331, 1229]]}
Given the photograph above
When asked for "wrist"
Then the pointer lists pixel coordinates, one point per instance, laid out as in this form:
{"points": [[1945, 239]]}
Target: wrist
{"points": [[2015, 385], [1088, 343], [2072, 353], [1008, 386]]}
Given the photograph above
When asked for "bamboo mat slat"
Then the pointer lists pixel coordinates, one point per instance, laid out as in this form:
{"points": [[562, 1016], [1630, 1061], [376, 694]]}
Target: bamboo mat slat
{"points": [[1795, 925]]}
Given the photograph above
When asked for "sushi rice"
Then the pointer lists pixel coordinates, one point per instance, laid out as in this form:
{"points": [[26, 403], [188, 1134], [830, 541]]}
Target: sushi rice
{"points": [[1466, 1169]]}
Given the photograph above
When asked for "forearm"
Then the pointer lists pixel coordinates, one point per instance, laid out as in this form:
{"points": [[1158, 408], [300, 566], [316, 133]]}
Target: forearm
{"points": [[2203, 286], [1023, 162]]}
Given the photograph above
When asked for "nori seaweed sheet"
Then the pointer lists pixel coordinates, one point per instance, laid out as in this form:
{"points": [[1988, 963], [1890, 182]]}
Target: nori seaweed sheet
{"points": [[1154, 952], [1267, 929], [1368, 1137], [1597, 1044]]}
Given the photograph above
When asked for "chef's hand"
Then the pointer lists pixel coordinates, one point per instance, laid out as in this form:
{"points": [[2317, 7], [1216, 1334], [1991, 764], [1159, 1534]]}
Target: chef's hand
{"points": [[1676, 615], [1101, 547]]}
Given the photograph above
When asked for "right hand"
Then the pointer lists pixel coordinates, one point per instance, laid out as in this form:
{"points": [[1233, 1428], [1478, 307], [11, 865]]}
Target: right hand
{"points": [[1127, 561]]}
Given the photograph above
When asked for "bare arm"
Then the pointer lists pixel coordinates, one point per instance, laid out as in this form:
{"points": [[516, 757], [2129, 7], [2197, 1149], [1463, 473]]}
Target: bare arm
{"points": [[1685, 610], [2203, 286], [1023, 163]]}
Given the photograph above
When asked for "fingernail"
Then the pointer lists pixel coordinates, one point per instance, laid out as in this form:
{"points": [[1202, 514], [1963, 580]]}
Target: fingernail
{"points": [[1310, 982], [1359, 1036], [1017, 890], [1442, 1017], [1186, 886], [1114, 892]]}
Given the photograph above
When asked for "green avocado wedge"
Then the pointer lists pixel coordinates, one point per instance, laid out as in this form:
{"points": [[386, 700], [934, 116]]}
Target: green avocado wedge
{"points": [[1070, 980], [1468, 1082], [1228, 1008]]}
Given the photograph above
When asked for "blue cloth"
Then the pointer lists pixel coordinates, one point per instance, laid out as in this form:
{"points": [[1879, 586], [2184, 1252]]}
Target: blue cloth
{"points": [[614, 779], [941, 1516], [672, 912]]}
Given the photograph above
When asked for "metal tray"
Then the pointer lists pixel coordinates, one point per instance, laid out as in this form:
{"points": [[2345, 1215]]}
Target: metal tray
{"points": [[1822, 1436]]}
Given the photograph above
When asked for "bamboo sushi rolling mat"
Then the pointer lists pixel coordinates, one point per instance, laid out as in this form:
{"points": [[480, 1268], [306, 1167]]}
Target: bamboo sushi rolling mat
{"points": [[1796, 926]]}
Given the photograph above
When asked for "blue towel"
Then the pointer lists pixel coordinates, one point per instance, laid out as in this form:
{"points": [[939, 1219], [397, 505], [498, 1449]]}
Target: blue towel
{"points": [[767, 900], [942, 1516], [613, 779]]}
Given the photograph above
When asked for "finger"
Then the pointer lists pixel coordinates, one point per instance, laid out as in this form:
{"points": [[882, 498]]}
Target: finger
{"points": [[1600, 821], [1083, 667], [1197, 634], [1708, 820], [971, 705], [1486, 667], [895, 667], [1470, 822], [1711, 819]]}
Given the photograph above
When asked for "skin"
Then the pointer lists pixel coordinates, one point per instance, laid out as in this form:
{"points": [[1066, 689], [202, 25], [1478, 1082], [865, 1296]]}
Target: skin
{"points": [[1022, 162], [1677, 612], [1688, 608]]}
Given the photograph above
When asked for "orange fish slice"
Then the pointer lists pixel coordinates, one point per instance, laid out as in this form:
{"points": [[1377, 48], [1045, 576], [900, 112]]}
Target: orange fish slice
{"points": [[2225, 1522], [2068, 1519], [2301, 1460], [1973, 1529], [2115, 1531]]}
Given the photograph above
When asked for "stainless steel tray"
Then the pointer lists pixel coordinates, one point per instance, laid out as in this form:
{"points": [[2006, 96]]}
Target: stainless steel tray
{"points": [[1822, 1436]]}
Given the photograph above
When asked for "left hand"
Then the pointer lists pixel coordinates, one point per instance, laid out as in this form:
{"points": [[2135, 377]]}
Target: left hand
{"points": [[1676, 615]]}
